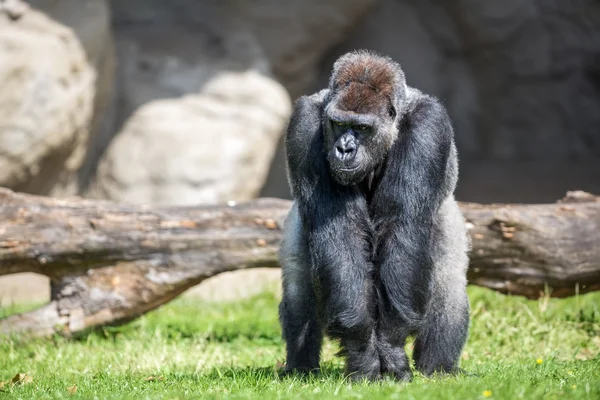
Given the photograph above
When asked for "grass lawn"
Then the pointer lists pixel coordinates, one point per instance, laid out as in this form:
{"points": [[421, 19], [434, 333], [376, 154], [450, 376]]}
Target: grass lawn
{"points": [[518, 349]]}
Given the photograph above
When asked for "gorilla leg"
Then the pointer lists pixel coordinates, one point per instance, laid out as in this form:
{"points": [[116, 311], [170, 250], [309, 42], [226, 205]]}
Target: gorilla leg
{"points": [[404, 276], [346, 306], [393, 329], [349, 309], [298, 310]]}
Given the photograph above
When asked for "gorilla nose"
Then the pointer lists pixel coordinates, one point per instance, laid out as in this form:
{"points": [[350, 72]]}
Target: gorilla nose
{"points": [[345, 148]]}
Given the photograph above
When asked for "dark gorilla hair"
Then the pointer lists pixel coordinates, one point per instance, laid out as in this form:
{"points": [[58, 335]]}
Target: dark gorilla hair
{"points": [[375, 247]]}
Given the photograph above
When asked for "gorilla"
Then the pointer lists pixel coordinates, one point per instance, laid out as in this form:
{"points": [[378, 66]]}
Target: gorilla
{"points": [[375, 246]]}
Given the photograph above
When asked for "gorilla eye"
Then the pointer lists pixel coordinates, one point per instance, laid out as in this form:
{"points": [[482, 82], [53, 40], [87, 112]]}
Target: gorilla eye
{"points": [[337, 123], [362, 128]]}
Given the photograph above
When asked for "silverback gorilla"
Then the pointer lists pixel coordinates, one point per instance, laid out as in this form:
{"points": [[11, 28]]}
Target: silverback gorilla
{"points": [[375, 246]]}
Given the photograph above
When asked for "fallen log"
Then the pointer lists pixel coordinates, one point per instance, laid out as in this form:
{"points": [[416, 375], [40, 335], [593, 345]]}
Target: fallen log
{"points": [[536, 250], [110, 263]]}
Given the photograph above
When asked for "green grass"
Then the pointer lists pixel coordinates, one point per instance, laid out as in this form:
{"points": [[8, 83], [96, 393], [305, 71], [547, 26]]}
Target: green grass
{"points": [[517, 348]]}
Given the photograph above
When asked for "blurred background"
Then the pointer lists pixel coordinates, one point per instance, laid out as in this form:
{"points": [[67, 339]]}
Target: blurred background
{"points": [[185, 101]]}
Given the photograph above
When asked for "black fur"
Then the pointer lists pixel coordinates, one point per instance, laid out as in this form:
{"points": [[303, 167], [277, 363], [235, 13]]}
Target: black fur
{"points": [[373, 256]]}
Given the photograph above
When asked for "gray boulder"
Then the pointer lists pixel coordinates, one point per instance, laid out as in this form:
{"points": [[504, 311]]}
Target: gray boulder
{"points": [[91, 22], [46, 104], [209, 147]]}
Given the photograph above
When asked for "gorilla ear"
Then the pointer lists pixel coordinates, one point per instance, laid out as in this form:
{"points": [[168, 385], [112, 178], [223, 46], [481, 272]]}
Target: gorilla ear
{"points": [[392, 111]]}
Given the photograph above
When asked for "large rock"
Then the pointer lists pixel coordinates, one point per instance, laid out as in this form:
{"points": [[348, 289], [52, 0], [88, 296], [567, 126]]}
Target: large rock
{"points": [[198, 97], [91, 21], [46, 102], [208, 147]]}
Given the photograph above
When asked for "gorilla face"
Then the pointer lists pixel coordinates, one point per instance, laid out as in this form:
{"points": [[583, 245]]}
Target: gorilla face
{"points": [[356, 143]]}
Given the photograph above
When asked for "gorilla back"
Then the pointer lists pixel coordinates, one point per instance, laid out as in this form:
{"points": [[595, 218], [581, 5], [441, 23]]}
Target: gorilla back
{"points": [[375, 247]]}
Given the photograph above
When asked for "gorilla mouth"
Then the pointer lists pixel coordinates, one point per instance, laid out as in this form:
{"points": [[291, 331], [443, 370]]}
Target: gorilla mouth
{"points": [[347, 175], [347, 166], [349, 169]]}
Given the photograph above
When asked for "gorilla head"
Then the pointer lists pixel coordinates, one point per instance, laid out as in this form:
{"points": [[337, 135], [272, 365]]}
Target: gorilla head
{"points": [[360, 119]]}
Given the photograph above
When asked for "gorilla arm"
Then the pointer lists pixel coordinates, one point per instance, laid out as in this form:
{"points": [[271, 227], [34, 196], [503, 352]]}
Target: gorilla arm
{"points": [[421, 172], [333, 217]]}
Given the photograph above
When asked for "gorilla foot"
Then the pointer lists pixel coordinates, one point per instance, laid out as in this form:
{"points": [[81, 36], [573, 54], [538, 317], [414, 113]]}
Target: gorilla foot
{"points": [[299, 371], [404, 375], [394, 361], [364, 367], [399, 374]]}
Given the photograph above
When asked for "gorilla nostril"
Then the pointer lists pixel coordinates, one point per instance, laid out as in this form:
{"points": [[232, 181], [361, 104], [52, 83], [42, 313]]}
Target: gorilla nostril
{"points": [[345, 149], [345, 152]]}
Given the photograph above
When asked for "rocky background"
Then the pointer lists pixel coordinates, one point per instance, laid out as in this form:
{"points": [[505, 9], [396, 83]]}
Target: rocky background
{"points": [[185, 101]]}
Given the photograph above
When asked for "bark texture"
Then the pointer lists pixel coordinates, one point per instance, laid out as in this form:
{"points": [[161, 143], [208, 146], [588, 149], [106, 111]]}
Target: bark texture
{"points": [[110, 263]]}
